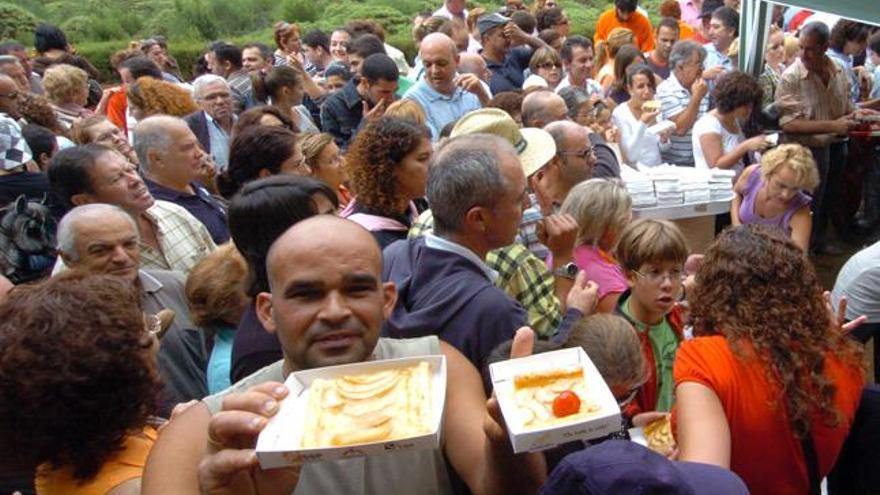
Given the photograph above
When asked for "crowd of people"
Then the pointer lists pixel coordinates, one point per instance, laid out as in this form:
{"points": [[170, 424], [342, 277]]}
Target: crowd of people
{"points": [[174, 245]]}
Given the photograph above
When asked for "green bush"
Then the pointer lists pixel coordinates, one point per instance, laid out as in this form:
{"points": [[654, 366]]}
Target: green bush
{"points": [[16, 23], [301, 11]]}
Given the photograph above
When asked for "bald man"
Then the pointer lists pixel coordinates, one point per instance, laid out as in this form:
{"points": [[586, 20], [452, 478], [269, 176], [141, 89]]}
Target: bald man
{"points": [[327, 305], [444, 94], [543, 107], [173, 161]]}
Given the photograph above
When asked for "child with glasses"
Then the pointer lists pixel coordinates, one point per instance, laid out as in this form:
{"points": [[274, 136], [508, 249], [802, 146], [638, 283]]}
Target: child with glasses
{"points": [[652, 254]]}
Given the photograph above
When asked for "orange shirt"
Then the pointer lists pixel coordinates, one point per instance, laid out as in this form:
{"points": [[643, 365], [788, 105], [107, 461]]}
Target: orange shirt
{"points": [[126, 465], [685, 31], [117, 105], [764, 452], [637, 23]]}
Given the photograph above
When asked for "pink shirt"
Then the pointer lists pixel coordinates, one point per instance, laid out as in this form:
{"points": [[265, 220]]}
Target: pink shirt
{"points": [[608, 275], [690, 14]]}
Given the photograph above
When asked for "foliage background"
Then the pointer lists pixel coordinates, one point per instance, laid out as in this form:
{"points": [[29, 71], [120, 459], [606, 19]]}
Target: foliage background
{"points": [[97, 28]]}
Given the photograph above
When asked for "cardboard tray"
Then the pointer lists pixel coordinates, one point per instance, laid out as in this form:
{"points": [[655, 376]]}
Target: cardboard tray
{"points": [[279, 443], [603, 422]]}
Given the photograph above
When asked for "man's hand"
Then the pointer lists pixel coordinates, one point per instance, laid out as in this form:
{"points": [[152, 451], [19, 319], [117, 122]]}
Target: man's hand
{"points": [[472, 84], [699, 88], [584, 295], [713, 72], [845, 124], [559, 234], [516, 35], [371, 114], [230, 465], [838, 319]]}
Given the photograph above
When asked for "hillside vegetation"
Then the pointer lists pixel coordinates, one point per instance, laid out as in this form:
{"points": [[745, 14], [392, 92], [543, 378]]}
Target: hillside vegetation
{"points": [[97, 28]]}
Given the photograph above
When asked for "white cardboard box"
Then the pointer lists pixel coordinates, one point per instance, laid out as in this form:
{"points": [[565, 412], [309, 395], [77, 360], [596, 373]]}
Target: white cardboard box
{"points": [[279, 443], [603, 422]]}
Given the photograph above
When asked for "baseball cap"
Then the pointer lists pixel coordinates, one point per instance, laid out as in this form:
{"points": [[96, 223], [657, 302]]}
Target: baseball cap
{"points": [[489, 21], [535, 146], [621, 466], [14, 150]]}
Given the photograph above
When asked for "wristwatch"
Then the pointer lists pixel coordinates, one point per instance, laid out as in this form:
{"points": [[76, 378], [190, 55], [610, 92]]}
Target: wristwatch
{"points": [[568, 270]]}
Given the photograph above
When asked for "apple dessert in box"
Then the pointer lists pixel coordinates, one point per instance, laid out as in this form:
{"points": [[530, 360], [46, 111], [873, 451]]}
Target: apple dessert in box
{"points": [[356, 410], [553, 398]]}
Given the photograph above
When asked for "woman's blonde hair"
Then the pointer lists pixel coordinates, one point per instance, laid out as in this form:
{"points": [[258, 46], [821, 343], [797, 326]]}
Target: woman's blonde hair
{"points": [[64, 83], [607, 49], [797, 158], [215, 287], [614, 347], [598, 205], [406, 109], [312, 146], [792, 47]]}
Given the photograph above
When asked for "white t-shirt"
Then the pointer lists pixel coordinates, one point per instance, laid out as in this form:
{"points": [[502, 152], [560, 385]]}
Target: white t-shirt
{"points": [[859, 281], [636, 142], [709, 124]]}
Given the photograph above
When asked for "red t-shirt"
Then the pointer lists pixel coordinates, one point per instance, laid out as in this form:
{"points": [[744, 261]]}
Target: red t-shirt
{"points": [[764, 452]]}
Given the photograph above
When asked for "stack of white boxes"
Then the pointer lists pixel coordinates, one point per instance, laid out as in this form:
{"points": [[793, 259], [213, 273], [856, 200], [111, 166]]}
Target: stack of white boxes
{"points": [[668, 185], [720, 184], [640, 188]]}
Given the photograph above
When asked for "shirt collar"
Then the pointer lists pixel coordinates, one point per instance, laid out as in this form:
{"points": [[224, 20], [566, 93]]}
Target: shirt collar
{"points": [[217, 124], [441, 244], [434, 95], [804, 72], [350, 95], [149, 283]]}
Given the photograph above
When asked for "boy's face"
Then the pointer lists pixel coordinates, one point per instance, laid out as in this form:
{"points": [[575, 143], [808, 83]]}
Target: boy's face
{"points": [[656, 286]]}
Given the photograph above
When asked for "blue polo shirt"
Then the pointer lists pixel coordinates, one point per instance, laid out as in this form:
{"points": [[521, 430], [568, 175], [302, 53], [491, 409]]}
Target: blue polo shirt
{"points": [[508, 76], [201, 205], [441, 109]]}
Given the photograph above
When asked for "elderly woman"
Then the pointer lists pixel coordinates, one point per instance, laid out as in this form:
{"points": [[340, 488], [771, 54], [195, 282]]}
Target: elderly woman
{"points": [[67, 88], [546, 68], [260, 151], [323, 158], [717, 138], [98, 129], [76, 405], [149, 96], [388, 166], [579, 104], [776, 193], [602, 209], [769, 377]]}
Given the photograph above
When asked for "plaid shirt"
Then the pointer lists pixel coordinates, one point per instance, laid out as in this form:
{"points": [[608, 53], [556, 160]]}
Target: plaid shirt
{"points": [[521, 274], [183, 240]]}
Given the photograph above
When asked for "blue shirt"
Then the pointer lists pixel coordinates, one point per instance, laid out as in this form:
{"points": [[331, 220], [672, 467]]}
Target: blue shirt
{"points": [[201, 205], [846, 62], [220, 360], [219, 142], [442, 109], [508, 76]]}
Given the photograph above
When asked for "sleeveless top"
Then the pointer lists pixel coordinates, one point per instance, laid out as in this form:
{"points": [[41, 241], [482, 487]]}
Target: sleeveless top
{"points": [[747, 213], [422, 471]]}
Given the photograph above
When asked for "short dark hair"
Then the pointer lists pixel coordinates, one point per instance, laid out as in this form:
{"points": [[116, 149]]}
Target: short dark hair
{"points": [[669, 22], [547, 18], [263, 210], [874, 44], [524, 20], [317, 38], [252, 150], [228, 53], [728, 16], [48, 37], [570, 43], [640, 69], [626, 5], [379, 66], [141, 66], [847, 30], [264, 49], [366, 45], [337, 69], [9, 46], [818, 30], [68, 171], [39, 139], [736, 89]]}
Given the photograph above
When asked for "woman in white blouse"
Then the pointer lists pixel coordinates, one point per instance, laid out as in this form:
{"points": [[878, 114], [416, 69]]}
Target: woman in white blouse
{"points": [[717, 137], [634, 116]]}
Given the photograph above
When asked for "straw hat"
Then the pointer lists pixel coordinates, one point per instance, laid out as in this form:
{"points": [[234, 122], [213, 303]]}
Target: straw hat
{"points": [[535, 147]]}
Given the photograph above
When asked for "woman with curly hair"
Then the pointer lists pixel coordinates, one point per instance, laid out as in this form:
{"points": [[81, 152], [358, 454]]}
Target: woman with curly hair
{"points": [[67, 88], [149, 96], [769, 376], [260, 151], [37, 109], [325, 161], [76, 405], [388, 166]]}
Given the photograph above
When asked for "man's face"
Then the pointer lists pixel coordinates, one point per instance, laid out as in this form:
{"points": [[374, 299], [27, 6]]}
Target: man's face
{"points": [[216, 100], [581, 66], [507, 211], [252, 59], [812, 52], [666, 37], [18, 74], [328, 301], [182, 160], [440, 66], [157, 54], [24, 60], [214, 65], [720, 34], [578, 157], [334, 83], [381, 90], [108, 247], [689, 71], [496, 39], [116, 181], [315, 55], [354, 62], [9, 92], [556, 110]]}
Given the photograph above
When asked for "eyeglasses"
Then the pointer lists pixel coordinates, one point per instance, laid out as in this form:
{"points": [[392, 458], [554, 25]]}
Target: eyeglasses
{"points": [[657, 277], [584, 153], [548, 66]]}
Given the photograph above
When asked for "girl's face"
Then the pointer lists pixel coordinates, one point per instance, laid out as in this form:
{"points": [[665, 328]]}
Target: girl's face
{"points": [[640, 90], [339, 45], [412, 173], [584, 115]]}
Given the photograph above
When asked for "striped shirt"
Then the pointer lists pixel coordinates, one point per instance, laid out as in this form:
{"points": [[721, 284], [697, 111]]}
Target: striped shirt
{"points": [[183, 240], [674, 99], [818, 101]]}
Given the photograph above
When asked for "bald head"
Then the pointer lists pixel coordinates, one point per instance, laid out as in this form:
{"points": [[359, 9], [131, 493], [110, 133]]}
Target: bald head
{"points": [[154, 134], [168, 151], [565, 132], [543, 107], [439, 56], [69, 226], [100, 239]]}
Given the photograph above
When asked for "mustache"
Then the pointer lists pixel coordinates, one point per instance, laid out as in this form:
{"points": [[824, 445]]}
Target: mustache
{"points": [[321, 328]]}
